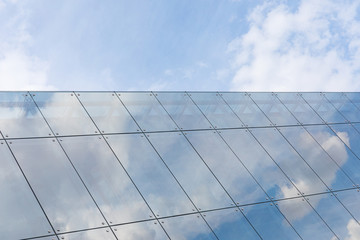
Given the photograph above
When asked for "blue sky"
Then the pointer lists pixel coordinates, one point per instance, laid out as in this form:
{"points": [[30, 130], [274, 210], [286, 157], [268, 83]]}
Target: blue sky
{"points": [[180, 45]]}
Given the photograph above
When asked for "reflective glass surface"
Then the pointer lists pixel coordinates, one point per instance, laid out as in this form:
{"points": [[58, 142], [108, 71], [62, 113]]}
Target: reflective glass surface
{"points": [[334, 214], [48, 238], [59, 190], [273, 109], [106, 180], [269, 222], [108, 113], [252, 155], [299, 108], [354, 97], [245, 108], [226, 167], [149, 230], [163, 193], [351, 200], [289, 161], [344, 106], [317, 158], [305, 220], [230, 224], [64, 113], [183, 110], [147, 111], [19, 116], [19, 210], [189, 227], [103, 234], [216, 110], [323, 107], [190, 170], [349, 135], [337, 150]]}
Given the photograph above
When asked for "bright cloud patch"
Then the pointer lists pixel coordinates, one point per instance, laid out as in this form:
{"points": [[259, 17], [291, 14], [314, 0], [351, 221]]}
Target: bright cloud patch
{"points": [[314, 47]]}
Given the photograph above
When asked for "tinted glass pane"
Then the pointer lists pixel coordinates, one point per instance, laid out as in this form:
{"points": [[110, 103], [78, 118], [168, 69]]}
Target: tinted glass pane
{"points": [[323, 107], [299, 108], [21, 215], [147, 111], [60, 191], [105, 178], [230, 224], [269, 222], [190, 227], [64, 113], [48, 238], [246, 109], [183, 110], [334, 214], [354, 97], [349, 135], [226, 167], [290, 162], [190, 170], [150, 175], [273, 109], [351, 200], [304, 219], [252, 155], [19, 116], [344, 106], [216, 110], [103, 233], [337, 150], [317, 158], [149, 230], [108, 113]]}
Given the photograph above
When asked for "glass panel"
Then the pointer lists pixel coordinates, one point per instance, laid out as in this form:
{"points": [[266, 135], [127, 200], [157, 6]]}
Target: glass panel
{"points": [[356, 126], [58, 188], [252, 155], [17, 112], [189, 227], [190, 170], [246, 109], [354, 97], [297, 106], [316, 157], [183, 110], [351, 200], [344, 105], [47, 238], [273, 109], [291, 163], [269, 222], [147, 111], [64, 113], [21, 215], [107, 181], [323, 107], [349, 135], [102, 233], [337, 150], [108, 113], [304, 219], [226, 167], [149, 230], [216, 110], [334, 214], [163, 193], [230, 224]]}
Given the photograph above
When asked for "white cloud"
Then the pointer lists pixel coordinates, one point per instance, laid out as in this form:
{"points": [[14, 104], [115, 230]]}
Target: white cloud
{"points": [[353, 230], [315, 47], [19, 70]]}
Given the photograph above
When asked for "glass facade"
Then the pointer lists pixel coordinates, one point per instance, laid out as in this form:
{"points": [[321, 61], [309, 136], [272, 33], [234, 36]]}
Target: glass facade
{"points": [[179, 165]]}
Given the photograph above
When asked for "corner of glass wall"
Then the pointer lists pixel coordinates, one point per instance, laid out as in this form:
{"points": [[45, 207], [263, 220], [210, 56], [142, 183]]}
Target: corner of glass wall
{"points": [[64, 113], [20, 117]]}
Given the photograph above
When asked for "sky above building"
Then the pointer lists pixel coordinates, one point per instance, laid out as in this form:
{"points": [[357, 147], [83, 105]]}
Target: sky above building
{"points": [[240, 45]]}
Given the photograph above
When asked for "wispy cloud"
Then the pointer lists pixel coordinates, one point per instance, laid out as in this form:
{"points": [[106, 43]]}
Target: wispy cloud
{"points": [[314, 47]]}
